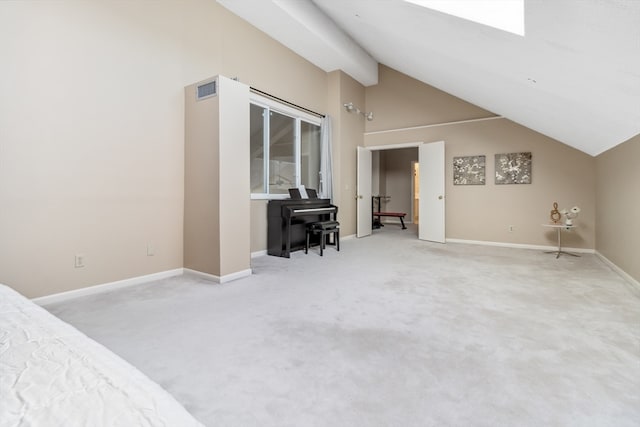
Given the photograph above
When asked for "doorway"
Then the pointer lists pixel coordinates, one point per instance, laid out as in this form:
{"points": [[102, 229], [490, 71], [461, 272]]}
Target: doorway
{"points": [[430, 189]]}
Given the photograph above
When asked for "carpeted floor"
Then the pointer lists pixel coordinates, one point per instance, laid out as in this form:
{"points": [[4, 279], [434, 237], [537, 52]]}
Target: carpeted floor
{"points": [[390, 331]]}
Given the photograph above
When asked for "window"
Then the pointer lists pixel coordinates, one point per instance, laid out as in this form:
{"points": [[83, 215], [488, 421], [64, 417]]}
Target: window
{"points": [[285, 149], [506, 15]]}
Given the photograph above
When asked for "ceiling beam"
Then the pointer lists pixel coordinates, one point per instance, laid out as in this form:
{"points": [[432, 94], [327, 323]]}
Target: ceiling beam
{"points": [[305, 29]]}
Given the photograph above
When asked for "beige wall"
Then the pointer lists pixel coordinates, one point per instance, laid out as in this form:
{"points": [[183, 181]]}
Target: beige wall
{"points": [[258, 225], [377, 187], [92, 129], [618, 206], [201, 183], [484, 213], [91, 142], [398, 101], [348, 131]]}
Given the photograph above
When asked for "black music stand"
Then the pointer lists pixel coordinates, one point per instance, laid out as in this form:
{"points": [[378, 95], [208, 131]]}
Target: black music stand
{"points": [[294, 193]]}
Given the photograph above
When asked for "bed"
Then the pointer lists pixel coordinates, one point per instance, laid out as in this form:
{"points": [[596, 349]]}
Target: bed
{"points": [[53, 375]]}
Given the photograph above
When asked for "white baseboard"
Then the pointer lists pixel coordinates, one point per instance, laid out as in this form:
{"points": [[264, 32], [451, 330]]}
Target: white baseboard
{"points": [[520, 246], [220, 279], [235, 276], [257, 254], [618, 270], [63, 296]]}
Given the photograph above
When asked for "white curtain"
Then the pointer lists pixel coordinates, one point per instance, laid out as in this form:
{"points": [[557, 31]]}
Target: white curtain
{"points": [[326, 177]]}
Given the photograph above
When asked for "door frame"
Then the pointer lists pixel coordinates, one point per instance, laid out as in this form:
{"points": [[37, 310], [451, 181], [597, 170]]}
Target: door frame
{"points": [[416, 144], [394, 146]]}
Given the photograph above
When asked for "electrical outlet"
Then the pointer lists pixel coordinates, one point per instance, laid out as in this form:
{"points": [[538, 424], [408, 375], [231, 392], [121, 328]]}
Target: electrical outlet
{"points": [[79, 261], [511, 229], [151, 250]]}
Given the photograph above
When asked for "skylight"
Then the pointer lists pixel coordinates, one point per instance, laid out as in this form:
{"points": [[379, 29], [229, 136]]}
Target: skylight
{"points": [[506, 15]]}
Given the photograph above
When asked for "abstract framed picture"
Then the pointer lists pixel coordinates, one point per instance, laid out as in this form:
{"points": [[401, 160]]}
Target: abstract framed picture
{"points": [[513, 168], [469, 170]]}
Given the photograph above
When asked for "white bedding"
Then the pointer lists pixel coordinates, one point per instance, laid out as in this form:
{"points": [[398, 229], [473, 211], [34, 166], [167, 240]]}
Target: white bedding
{"points": [[53, 375]]}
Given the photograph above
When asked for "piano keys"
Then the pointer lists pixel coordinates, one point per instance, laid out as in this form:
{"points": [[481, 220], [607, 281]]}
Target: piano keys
{"points": [[287, 221]]}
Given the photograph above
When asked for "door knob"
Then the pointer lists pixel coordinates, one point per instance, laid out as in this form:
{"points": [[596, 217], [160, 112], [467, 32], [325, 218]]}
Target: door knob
{"points": [[439, 197]]}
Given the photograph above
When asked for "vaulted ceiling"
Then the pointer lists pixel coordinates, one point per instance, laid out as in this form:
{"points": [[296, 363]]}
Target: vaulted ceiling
{"points": [[574, 76]]}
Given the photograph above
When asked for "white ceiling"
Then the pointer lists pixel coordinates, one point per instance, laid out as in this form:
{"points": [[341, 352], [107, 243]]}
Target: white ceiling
{"points": [[574, 76]]}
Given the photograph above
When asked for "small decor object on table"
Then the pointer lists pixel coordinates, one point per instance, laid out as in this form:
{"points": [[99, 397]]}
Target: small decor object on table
{"points": [[555, 214], [570, 215]]}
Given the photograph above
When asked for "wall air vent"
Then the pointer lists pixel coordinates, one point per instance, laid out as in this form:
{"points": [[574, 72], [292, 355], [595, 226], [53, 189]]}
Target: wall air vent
{"points": [[207, 90]]}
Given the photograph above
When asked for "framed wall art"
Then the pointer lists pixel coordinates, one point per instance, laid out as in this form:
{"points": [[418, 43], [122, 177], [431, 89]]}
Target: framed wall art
{"points": [[513, 168], [469, 170]]}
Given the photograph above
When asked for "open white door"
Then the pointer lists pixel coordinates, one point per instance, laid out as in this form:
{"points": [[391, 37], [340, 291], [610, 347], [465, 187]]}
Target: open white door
{"points": [[363, 192], [431, 205]]}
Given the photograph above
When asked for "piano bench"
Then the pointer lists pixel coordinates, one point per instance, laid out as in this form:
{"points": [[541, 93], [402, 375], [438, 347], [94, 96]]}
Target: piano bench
{"points": [[324, 229]]}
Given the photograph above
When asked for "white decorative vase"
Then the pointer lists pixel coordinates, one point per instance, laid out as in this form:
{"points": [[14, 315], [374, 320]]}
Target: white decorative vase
{"points": [[568, 222]]}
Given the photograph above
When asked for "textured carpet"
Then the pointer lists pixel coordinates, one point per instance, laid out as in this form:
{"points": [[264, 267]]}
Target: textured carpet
{"points": [[390, 331]]}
